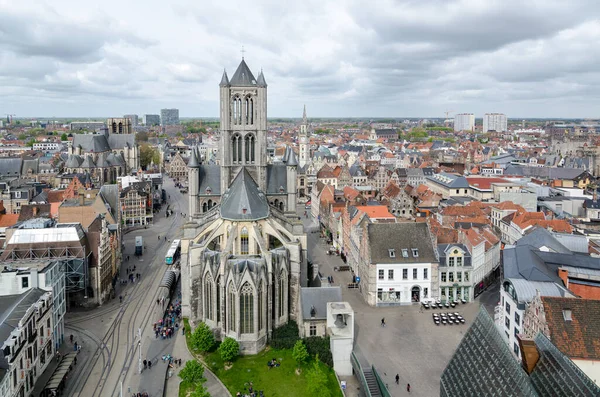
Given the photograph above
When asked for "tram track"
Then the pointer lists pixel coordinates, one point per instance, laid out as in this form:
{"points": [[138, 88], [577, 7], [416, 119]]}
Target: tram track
{"points": [[110, 346]]}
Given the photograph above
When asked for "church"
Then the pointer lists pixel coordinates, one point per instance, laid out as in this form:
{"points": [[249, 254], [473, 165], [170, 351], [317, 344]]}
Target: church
{"points": [[244, 247]]}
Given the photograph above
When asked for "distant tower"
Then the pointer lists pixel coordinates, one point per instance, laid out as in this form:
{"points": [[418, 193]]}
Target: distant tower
{"points": [[243, 126], [194, 180], [304, 140]]}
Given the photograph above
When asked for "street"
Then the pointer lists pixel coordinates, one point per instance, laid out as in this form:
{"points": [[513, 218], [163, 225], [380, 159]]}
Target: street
{"points": [[109, 334]]}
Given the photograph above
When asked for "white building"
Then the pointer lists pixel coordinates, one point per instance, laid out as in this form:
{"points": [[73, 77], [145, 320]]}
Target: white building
{"points": [[48, 275], [46, 146], [495, 122], [26, 338], [464, 122]]}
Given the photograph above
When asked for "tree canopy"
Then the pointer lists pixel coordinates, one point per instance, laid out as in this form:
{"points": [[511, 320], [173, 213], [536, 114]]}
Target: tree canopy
{"points": [[299, 352], [229, 349], [203, 338], [148, 155], [317, 380], [193, 372]]}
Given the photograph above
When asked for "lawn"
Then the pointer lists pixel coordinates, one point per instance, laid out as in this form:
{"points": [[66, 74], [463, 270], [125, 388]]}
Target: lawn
{"points": [[185, 388], [276, 382]]}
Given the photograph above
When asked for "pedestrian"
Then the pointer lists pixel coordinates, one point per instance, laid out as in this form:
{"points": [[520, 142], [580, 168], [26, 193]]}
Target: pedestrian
{"points": [[149, 364], [120, 299], [75, 346], [383, 322], [408, 387], [71, 338], [397, 379], [157, 301], [145, 363]]}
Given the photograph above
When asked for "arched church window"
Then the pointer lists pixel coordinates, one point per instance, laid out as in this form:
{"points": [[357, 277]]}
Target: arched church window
{"points": [[219, 299], [244, 241], [246, 111], [231, 308], [281, 205], [261, 305], [247, 146], [114, 127], [208, 298], [239, 112], [120, 128], [246, 309], [204, 207], [252, 148], [251, 110]]}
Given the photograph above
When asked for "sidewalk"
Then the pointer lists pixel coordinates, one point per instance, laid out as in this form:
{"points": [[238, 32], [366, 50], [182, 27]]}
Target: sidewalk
{"points": [[213, 385], [66, 348]]}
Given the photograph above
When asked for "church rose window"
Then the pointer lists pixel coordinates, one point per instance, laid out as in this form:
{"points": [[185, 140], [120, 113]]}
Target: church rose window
{"points": [[247, 309]]}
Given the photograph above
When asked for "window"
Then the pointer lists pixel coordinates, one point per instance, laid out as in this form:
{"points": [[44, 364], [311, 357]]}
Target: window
{"points": [[507, 308], [208, 298], [381, 274], [247, 309], [404, 253], [415, 252], [231, 308], [244, 242], [25, 282], [313, 330], [425, 275], [459, 277], [415, 274], [451, 277], [404, 274], [466, 276], [517, 319], [443, 277], [379, 293], [507, 322], [516, 348], [516, 332], [392, 253], [459, 261], [451, 261], [443, 292], [390, 274]]}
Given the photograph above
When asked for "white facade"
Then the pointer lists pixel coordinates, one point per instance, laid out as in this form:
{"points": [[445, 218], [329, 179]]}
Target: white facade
{"points": [[47, 146], [396, 282], [510, 320], [495, 122], [29, 347], [464, 122], [48, 276], [340, 324]]}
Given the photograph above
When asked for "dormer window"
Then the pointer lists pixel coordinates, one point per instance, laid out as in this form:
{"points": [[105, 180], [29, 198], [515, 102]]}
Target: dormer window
{"points": [[208, 190], [415, 252], [405, 253], [567, 315], [392, 253], [281, 189]]}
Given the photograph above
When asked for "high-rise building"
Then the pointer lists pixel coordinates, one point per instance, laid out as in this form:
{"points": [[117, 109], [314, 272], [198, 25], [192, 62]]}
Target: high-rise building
{"points": [[169, 117], [133, 118], [464, 122], [494, 122], [151, 119]]}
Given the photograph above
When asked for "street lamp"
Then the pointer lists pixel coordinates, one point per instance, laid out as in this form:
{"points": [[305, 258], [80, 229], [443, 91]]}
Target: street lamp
{"points": [[140, 350]]}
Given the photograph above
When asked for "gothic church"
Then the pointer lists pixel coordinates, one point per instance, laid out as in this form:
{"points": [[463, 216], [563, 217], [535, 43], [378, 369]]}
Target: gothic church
{"points": [[244, 248]]}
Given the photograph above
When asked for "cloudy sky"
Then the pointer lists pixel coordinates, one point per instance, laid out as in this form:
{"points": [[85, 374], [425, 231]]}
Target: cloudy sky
{"points": [[378, 58]]}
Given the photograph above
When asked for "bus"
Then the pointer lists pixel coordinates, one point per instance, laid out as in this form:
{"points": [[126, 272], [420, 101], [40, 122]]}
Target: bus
{"points": [[173, 252]]}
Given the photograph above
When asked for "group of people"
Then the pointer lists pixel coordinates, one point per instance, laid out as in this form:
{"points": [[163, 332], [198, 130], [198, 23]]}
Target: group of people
{"points": [[251, 392], [140, 394], [273, 363], [169, 324], [398, 382]]}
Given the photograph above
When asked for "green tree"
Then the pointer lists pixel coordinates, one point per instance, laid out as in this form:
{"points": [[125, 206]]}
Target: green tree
{"points": [[203, 338], [200, 392], [148, 155], [193, 372], [22, 137], [141, 136], [229, 349], [317, 380], [64, 137], [300, 353], [30, 143]]}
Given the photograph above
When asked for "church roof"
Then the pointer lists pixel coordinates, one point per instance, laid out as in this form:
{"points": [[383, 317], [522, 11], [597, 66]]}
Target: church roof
{"points": [[88, 162], [120, 141], [261, 80], [292, 160], [276, 178], [243, 76], [91, 143], [210, 180], [224, 79], [244, 200], [193, 163]]}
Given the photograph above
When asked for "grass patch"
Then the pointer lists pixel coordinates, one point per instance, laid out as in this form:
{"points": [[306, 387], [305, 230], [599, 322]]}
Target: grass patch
{"points": [[276, 382], [185, 388]]}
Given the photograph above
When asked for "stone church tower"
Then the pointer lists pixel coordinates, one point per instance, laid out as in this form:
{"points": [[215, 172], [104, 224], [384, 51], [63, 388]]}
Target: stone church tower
{"points": [[243, 110], [243, 257], [303, 140]]}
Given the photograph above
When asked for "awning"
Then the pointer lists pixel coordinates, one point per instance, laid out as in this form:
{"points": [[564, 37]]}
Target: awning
{"points": [[60, 371], [169, 279]]}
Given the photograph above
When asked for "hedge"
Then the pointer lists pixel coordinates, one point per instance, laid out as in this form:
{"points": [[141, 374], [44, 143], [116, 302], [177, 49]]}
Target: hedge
{"points": [[286, 336], [318, 345]]}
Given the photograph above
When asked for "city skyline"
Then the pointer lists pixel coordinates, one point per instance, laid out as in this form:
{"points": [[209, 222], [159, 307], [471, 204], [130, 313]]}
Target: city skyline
{"points": [[402, 59]]}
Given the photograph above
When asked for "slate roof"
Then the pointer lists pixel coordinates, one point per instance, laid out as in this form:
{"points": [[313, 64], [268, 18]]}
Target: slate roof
{"points": [[13, 308], [398, 236], [73, 161], [210, 177], [450, 180], [91, 143], [443, 249], [242, 76], [318, 298], [31, 164], [261, 80], [110, 197], [276, 178], [544, 172], [579, 337], [526, 290], [224, 80], [483, 365], [541, 237], [244, 201], [10, 166]]}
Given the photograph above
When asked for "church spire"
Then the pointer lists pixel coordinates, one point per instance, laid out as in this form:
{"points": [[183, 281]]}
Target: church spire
{"points": [[224, 79], [304, 121], [261, 80]]}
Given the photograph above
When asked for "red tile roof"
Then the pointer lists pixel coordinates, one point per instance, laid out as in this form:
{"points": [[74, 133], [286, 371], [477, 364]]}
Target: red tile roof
{"points": [[483, 182], [376, 211]]}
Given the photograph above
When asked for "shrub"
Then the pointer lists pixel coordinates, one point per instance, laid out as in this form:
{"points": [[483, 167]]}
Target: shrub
{"points": [[229, 349], [317, 381], [318, 346], [285, 337], [203, 338], [299, 353], [193, 372]]}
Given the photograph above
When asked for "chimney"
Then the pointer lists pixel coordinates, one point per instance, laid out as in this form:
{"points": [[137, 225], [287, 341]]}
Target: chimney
{"points": [[82, 198], [529, 353], [35, 211]]}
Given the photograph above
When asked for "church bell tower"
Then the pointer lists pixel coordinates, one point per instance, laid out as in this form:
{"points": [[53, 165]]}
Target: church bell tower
{"points": [[303, 140], [243, 111]]}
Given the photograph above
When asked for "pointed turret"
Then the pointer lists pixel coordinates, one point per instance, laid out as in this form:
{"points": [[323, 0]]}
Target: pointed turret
{"points": [[193, 163], [304, 120], [292, 160], [224, 79], [261, 82]]}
